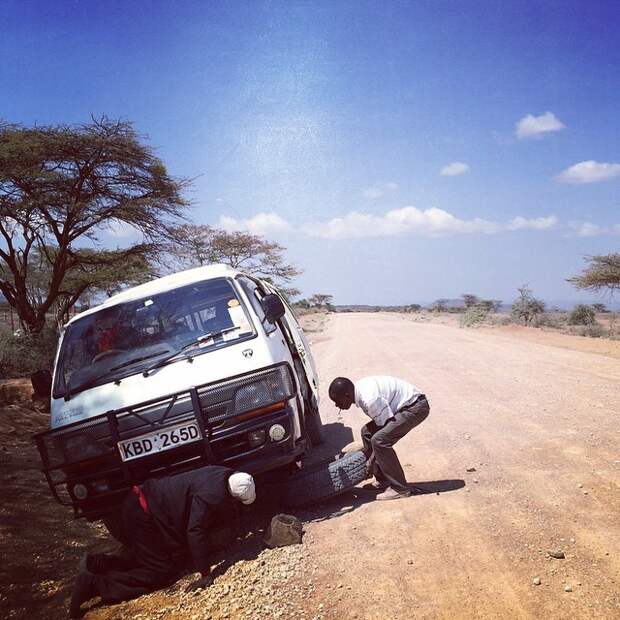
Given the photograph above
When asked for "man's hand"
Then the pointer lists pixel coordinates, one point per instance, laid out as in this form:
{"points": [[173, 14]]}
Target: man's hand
{"points": [[204, 582]]}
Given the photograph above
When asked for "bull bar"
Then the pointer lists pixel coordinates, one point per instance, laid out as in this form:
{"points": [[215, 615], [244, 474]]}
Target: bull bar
{"points": [[87, 452]]}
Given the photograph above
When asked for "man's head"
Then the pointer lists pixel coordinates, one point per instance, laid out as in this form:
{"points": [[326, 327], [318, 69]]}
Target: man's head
{"points": [[241, 487], [342, 392]]}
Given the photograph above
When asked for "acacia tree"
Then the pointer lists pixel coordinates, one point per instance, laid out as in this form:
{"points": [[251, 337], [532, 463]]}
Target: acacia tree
{"points": [[527, 307], [98, 271], [469, 299], [105, 271], [490, 305], [440, 305], [199, 244], [320, 300], [601, 274], [192, 246], [60, 187]]}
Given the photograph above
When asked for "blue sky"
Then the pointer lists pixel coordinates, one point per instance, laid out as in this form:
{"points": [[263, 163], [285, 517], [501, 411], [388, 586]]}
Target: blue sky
{"points": [[401, 151]]}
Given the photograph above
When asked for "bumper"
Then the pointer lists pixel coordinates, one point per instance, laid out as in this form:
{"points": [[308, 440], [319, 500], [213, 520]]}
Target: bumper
{"points": [[95, 483]]}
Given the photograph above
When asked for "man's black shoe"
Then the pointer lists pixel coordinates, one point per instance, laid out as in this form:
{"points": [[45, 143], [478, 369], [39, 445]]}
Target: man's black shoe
{"points": [[99, 563], [84, 589]]}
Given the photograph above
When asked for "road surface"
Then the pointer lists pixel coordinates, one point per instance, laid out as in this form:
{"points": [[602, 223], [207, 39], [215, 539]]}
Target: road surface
{"points": [[540, 425]]}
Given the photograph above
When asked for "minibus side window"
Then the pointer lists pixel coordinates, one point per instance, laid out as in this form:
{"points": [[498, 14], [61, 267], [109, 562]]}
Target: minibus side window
{"points": [[254, 295]]}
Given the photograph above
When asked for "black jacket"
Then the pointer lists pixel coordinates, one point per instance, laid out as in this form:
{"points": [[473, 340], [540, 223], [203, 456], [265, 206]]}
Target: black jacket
{"points": [[182, 506]]}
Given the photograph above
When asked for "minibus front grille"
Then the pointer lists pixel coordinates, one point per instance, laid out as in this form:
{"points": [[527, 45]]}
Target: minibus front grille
{"points": [[86, 449]]}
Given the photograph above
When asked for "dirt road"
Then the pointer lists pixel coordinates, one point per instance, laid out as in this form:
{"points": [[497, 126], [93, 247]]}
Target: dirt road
{"points": [[540, 424], [537, 419]]}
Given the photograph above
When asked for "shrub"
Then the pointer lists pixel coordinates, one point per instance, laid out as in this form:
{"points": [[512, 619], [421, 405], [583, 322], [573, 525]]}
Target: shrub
{"points": [[549, 319], [500, 320], [22, 355], [474, 316], [592, 331], [582, 315], [527, 307]]}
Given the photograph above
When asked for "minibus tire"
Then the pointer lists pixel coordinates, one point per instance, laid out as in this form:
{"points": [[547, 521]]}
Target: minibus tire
{"points": [[325, 480], [314, 426]]}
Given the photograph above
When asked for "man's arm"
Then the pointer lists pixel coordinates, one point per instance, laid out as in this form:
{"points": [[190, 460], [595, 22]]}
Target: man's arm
{"points": [[197, 539], [379, 410]]}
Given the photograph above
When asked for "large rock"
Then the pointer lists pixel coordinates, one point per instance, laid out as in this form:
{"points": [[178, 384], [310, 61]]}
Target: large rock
{"points": [[284, 530], [14, 391]]}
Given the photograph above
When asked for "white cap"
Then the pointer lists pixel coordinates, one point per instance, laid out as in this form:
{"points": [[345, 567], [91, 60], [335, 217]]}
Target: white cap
{"points": [[241, 486]]}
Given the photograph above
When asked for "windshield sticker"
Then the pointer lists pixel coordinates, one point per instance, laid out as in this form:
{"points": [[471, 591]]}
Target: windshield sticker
{"points": [[148, 302], [68, 415], [233, 302], [237, 316], [205, 343]]}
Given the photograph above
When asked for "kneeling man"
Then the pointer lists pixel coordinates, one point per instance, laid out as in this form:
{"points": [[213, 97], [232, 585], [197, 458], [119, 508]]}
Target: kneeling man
{"points": [[164, 520]]}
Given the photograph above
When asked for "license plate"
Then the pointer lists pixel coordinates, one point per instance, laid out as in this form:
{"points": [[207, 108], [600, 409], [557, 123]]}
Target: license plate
{"points": [[159, 441]]}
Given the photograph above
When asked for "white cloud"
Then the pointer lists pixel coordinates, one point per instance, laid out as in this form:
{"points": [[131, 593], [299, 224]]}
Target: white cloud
{"points": [[538, 223], [589, 172], [372, 192], [431, 222], [408, 220], [379, 190], [454, 169], [535, 126], [260, 224], [586, 229]]}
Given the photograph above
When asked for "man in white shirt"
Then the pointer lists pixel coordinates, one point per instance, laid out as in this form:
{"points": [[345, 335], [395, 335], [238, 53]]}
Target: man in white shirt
{"points": [[395, 407]]}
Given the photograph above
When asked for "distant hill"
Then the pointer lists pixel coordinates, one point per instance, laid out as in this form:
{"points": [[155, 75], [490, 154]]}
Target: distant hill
{"points": [[368, 308]]}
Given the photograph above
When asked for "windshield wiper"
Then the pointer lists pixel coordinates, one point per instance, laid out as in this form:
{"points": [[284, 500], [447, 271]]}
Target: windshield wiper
{"points": [[95, 380], [188, 345], [80, 387], [134, 360]]}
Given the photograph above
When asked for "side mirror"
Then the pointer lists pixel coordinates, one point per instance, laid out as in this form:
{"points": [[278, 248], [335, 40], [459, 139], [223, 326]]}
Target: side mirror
{"points": [[273, 307], [41, 383]]}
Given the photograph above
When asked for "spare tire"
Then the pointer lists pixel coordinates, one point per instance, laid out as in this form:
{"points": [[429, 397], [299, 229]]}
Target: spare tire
{"points": [[325, 480]]}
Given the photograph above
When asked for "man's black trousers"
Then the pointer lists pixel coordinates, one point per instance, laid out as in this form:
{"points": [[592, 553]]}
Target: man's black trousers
{"points": [[148, 567], [379, 442]]}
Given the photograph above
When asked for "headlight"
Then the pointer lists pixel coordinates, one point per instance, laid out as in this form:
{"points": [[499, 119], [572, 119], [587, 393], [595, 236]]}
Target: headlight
{"points": [[80, 491], [252, 396], [265, 391], [277, 432]]}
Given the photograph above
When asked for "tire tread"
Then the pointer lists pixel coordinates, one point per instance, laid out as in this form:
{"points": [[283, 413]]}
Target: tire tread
{"points": [[325, 480]]}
